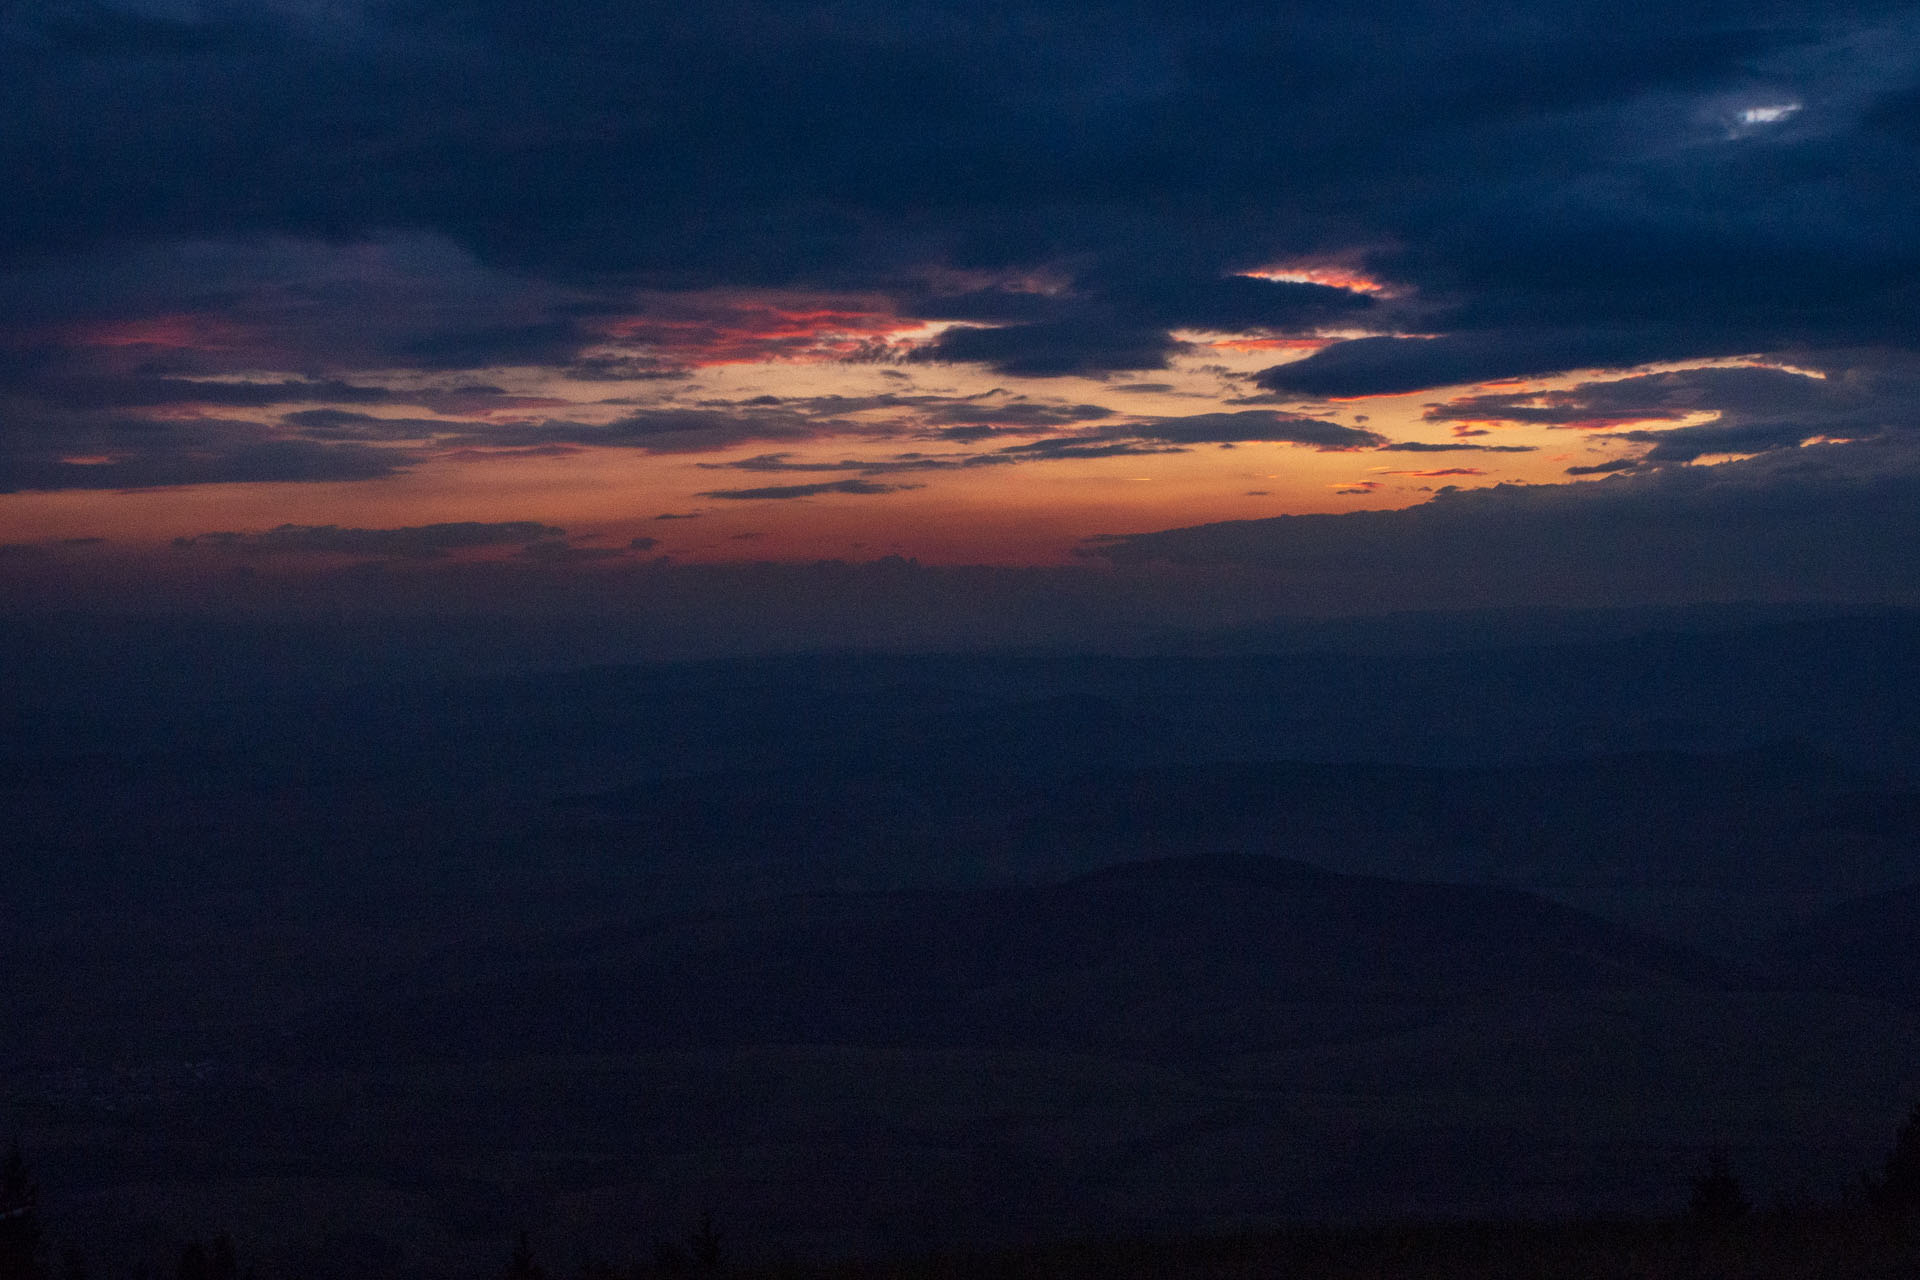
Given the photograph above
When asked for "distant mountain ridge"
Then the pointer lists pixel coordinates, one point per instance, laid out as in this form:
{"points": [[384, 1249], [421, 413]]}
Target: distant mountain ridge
{"points": [[996, 940], [1433, 689], [1867, 946], [1730, 841], [1201, 954]]}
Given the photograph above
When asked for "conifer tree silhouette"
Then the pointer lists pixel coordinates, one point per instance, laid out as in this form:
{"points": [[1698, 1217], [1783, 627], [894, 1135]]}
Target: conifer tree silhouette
{"points": [[596, 1268], [22, 1240], [1897, 1190], [223, 1261], [1717, 1196], [704, 1244], [194, 1263], [522, 1266]]}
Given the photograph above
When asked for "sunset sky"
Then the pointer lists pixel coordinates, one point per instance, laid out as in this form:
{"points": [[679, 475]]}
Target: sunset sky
{"points": [[1590, 301]]}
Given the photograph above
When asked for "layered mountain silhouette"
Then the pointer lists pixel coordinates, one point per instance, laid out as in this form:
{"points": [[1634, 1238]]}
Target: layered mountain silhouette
{"points": [[1198, 955], [1392, 917], [1867, 946], [1710, 846]]}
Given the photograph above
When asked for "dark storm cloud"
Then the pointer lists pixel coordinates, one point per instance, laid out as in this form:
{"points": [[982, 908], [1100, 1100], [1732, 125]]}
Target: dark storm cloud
{"points": [[701, 430], [44, 449], [989, 306], [1230, 303], [1830, 521], [1082, 447], [893, 463], [996, 408], [233, 462], [1016, 413], [317, 310], [862, 487], [1422, 446], [300, 194], [415, 541], [627, 369], [784, 462], [1057, 347], [547, 343], [344, 424], [1108, 440], [709, 426], [1742, 390], [1757, 408], [1164, 435], [473, 398], [1252, 425], [1390, 366], [668, 429], [1684, 444], [108, 392], [765, 146], [1121, 317]]}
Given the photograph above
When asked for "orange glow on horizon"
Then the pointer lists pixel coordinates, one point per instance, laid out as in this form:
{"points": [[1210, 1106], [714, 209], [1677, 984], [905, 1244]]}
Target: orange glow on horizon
{"points": [[952, 495]]}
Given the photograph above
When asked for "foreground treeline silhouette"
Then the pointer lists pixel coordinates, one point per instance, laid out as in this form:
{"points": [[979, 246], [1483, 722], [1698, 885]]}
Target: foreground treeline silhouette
{"points": [[700, 1255], [1873, 1235]]}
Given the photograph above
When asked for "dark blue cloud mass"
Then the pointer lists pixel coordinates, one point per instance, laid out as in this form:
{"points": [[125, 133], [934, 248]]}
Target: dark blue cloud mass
{"points": [[312, 216], [1575, 165], [1826, 522]]}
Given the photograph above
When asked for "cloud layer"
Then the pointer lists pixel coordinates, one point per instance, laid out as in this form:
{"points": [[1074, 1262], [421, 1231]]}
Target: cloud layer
{"points": [[1827, 521], [279, 242], [1590, 184]]}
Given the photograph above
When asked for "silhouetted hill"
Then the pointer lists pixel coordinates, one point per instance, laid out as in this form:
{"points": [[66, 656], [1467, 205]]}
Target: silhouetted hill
{"points": [[1198, 955], [1429, 689], [874, 949], [1029, 738], [1707, 847], [1868, 946], [1456, 630]]}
